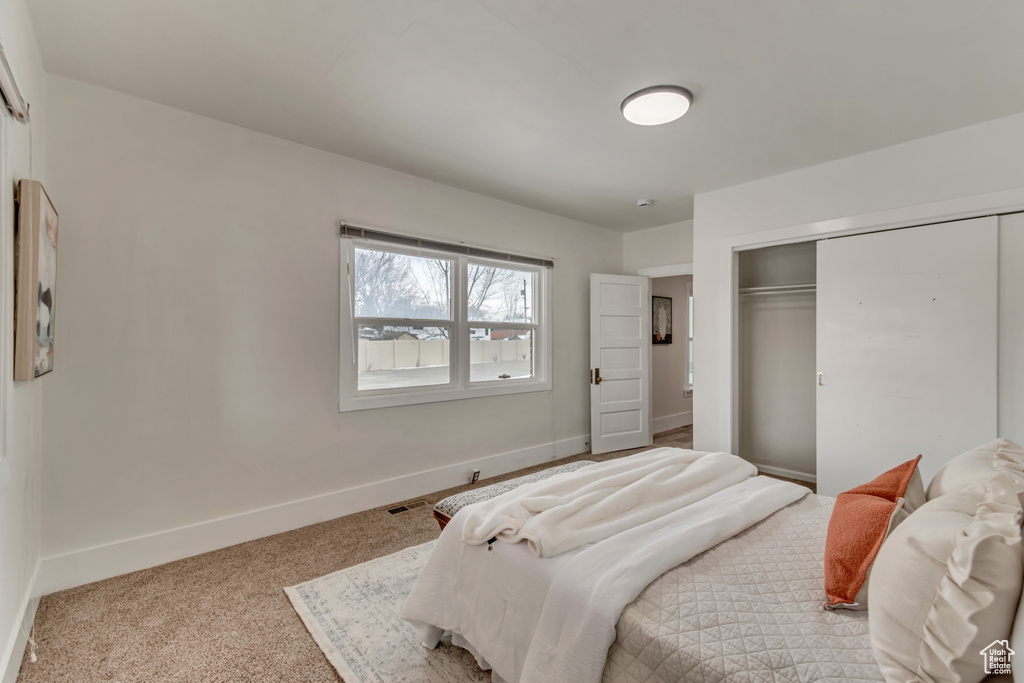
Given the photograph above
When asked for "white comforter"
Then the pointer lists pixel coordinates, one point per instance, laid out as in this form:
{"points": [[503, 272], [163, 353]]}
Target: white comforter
{"points": [[586, 506], [536, 619]]}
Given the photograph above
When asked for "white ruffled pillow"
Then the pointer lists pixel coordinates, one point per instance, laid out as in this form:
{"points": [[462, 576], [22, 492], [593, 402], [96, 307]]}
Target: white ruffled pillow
{"points": [[979, 464], [946, 583]]}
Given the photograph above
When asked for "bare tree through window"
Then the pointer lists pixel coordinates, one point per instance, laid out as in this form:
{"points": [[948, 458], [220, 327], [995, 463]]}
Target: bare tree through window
{"points": [[405, 318]]}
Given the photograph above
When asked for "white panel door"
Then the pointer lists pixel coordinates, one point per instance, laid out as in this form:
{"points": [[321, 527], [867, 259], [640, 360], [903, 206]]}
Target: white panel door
{"points": [[906, 349], [620, 353]]}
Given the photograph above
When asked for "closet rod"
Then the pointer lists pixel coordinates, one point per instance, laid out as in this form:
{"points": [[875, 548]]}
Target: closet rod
{"points": [[778, 289]]}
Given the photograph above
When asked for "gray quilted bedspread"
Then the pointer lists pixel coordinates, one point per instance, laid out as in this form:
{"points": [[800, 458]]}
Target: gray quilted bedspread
{"points": [[749, 609]]}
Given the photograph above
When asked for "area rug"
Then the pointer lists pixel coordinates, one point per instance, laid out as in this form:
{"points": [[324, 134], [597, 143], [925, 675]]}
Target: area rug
{"points": [[352, 615]]}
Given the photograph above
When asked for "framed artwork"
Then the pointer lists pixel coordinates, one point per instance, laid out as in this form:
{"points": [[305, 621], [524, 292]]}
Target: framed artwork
{"points": [[35, 281], [661, 319]]}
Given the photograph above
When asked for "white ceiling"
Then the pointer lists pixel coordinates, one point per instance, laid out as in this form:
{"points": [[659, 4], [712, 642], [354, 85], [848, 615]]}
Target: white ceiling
{"points": [[519, 99]]}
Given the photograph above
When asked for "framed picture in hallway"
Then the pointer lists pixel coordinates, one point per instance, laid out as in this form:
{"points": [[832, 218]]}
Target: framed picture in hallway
{"points": [[661, 319], [35, 281]]}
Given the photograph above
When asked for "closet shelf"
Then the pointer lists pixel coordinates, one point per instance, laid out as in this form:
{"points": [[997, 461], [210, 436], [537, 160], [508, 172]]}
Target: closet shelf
{"points": [[778, 289]]}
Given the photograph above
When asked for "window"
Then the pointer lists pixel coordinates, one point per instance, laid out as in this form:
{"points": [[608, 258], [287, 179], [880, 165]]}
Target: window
{"points": [[423, 325], [688, 389]]}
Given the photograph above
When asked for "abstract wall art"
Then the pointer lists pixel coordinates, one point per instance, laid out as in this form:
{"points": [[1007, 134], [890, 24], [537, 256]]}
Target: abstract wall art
{"points": [[35, 282], [661, 319]]}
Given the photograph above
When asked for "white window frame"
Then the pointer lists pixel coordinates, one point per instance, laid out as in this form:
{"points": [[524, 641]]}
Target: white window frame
{"points": [[687, 384], [459, 386]]}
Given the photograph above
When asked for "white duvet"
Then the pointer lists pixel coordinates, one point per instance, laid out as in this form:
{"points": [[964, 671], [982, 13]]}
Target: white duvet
{"points": [[536, 619], [586, 506]]}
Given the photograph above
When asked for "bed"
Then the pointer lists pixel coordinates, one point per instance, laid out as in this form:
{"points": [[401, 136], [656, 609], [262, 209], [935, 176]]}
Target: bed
{"points": [[748, 608]]}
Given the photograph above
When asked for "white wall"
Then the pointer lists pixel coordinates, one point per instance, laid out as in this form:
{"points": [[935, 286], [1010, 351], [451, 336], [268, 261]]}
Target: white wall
{"points": [[665, 245], [670, 407], [786, 264], [777, 399], [198, 356], [20, 473], [964, 163]]}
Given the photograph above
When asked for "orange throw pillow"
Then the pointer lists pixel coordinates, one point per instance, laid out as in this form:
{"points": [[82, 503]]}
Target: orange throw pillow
{"points": [[861, 520]]}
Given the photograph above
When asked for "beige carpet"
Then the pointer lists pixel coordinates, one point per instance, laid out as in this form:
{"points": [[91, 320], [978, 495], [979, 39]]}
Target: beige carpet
{"points": [[222, 616]]}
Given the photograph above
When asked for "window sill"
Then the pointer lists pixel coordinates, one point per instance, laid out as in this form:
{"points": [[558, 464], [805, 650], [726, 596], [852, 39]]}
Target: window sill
{"points": [[368, 402]]}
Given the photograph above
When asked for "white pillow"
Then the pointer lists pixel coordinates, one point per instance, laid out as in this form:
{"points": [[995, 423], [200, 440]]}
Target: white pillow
{"points": [[915, 496], [977, 465], [946, 583]]}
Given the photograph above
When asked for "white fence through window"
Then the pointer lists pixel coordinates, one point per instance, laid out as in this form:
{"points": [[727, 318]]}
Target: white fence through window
{"points": [[415, 362]]}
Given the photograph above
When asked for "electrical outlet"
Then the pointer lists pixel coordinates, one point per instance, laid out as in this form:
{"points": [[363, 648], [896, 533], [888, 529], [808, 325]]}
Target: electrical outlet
{"points": [[476, 477]]}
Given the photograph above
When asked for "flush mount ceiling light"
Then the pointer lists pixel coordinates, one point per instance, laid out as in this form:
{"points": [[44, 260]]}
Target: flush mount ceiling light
{"points": [[656, 105]]}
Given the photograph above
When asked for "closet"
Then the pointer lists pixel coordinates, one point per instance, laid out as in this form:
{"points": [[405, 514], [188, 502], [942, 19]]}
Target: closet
{"points": [[858, 353], [776, 359]]}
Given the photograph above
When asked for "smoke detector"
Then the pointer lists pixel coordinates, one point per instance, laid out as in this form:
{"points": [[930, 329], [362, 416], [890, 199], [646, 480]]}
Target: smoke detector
{"points": [[643, 203]]}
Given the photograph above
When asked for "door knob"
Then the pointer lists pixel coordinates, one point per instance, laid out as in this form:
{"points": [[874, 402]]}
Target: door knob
{"points": [[597, 376]]}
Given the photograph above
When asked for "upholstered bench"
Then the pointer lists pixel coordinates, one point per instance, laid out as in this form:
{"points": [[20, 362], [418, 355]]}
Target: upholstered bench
{"points": [[446, 509]]}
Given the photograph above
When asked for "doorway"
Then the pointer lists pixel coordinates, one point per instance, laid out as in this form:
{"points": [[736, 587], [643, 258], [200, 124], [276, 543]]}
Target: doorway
{"points": [[672, 360]]}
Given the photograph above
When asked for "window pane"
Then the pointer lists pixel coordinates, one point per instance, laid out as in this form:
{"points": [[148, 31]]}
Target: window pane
{"points": [[500, 354], [689, 306], [500, 294], [390, 285], [689, 373], [392, 357]]}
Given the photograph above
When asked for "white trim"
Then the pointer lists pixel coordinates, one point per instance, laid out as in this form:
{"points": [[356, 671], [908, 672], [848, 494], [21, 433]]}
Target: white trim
{"points": [[6, 293], [783, 472], [10, 661], [1007, 201], [511, 386], [664, 424], [688, 341], [120, 557], [666, 271]]}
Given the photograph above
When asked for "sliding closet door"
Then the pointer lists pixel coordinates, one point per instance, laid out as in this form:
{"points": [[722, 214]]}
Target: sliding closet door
{"points": [[906, 349]]}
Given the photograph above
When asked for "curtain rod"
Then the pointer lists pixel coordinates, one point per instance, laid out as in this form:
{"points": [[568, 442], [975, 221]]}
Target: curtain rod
{"points": [[348, 231]]}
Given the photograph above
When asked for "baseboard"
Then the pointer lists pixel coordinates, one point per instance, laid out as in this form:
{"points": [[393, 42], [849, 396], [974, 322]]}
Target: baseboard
{"points": [[10, 658], [664, 424], [121, 557], [783, 472]]}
